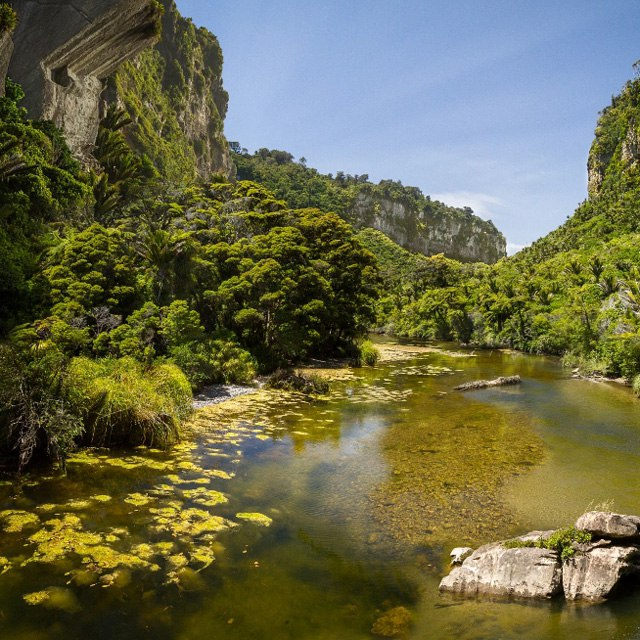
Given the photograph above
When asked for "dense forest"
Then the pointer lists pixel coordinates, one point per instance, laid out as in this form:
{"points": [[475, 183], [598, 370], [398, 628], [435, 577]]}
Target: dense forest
{"points": [[575, 292], [120, 293]]}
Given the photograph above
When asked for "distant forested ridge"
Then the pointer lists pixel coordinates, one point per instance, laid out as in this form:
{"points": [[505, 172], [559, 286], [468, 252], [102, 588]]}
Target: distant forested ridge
{"points": [[410, 218], [575, 292]]}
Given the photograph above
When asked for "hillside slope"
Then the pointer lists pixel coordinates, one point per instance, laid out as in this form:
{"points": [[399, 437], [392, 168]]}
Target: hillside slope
{"points": [[574, 292], [405, 214]]}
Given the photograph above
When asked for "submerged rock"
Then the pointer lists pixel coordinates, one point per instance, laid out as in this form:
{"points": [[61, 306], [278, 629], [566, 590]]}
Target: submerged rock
{"points": [[502, 381], [394, 623]]}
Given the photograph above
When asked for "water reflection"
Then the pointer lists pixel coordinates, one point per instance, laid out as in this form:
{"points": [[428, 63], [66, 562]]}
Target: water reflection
{"points": [[364, 494]]}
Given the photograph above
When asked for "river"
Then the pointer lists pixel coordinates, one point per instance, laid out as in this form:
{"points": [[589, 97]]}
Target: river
{"points": [[283, 518]]}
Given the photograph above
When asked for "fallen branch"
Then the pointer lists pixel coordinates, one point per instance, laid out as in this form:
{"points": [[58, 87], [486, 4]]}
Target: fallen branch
{"points": [[502, 381]]}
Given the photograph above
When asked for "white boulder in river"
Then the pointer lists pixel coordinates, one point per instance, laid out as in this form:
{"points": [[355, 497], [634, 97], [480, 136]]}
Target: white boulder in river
{"points": [[525, 572], [460, 554], [596, 570]]}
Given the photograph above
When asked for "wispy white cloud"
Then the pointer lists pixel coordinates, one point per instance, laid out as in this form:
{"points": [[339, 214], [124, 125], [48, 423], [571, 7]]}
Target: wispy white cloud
{"points": [[483, 204], [513, 247]]}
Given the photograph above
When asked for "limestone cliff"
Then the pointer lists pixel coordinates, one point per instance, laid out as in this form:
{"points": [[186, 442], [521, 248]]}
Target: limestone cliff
{"points": [[403, 213], [430, 229], [64, 50], [6, 50], [614, 157], [74, 58], [174, 95]]}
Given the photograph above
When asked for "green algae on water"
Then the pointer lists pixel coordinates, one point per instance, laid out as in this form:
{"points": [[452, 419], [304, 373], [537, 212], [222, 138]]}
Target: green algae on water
{"points": [[138, 499], [14, 520], [58, 598], [255, 518]]}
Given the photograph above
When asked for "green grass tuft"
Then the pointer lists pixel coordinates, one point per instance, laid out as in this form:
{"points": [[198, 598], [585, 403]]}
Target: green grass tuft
{"points": [[367, 354], [124, 403], [561, 541]]}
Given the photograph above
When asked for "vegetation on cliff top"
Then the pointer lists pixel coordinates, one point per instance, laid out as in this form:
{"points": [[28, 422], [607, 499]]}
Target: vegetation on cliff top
{"points": [[8, 18], [359, 201]]}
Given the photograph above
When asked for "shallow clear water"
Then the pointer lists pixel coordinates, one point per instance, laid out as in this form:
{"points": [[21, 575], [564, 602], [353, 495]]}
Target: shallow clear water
{"points": [[366, 493]]}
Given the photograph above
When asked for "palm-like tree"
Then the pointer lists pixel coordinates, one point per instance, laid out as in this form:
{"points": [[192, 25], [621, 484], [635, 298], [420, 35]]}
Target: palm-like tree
{"points": [[165, 253]]}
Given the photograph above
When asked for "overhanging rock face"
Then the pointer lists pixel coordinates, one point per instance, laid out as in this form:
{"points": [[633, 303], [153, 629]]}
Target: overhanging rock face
{"points": [[64, 49]]}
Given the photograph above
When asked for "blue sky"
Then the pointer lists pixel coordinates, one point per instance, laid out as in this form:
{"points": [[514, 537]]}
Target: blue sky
{"points": [[485, 103]]}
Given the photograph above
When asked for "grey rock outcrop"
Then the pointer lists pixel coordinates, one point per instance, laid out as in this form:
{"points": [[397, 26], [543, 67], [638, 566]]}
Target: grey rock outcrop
{"points": [[596, 571], [463, 236], [595, 574], [69, 58], [525, 572], [460, 554], [64, 50], [610, 526], [6, 49]]}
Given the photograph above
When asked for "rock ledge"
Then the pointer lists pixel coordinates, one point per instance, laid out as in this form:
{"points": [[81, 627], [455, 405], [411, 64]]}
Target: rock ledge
{"points": [[595, 571]]}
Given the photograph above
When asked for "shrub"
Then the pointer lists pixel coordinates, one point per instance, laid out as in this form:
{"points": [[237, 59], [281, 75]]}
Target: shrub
{"points": [[221, 360], [288, 380], [193, 361], [231, 362], [124, 403], [366, 354], [171, 382], [8, 18], [561, 541], [33, 418]]}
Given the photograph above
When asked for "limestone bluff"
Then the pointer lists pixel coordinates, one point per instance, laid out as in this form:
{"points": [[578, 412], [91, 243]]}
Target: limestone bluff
{"points": [[75, 58], [457, 233]]}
